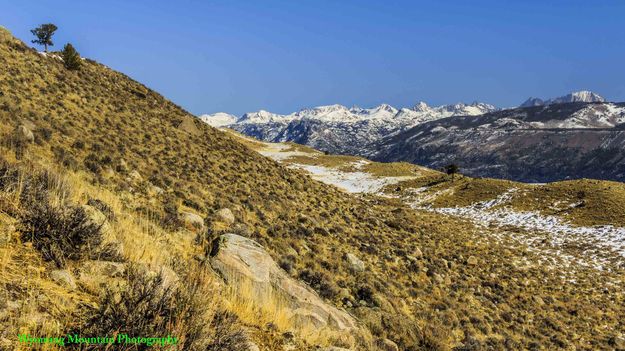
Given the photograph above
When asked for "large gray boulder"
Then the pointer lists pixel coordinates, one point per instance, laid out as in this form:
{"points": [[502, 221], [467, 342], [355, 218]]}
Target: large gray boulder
{"points": [[243, 261]]}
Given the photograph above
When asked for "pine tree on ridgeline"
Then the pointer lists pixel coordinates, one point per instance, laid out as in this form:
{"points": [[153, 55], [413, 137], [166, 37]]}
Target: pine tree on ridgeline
{"points": [[44, 35], [71, 58]]}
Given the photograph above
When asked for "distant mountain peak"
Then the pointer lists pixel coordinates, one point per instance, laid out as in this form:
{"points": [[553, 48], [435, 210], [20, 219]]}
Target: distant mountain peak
{"points": [[576, 96], [421, 107]]}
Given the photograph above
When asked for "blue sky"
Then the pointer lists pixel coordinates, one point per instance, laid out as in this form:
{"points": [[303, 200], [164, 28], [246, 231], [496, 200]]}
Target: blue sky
{"points": [[240, 56]]}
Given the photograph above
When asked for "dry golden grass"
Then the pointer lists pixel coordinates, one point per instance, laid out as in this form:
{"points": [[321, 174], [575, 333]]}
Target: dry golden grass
{"points": [[241, 298]]}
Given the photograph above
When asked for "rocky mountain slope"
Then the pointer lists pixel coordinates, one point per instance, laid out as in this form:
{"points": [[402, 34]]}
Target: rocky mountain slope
{"points": [[534, 144], [338, 129], [122, 213]]}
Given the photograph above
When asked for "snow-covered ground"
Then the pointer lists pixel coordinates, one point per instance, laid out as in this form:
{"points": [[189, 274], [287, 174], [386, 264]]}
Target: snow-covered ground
{"points": [[594, 241], [559, 241], [352, 182], [281, 152]]}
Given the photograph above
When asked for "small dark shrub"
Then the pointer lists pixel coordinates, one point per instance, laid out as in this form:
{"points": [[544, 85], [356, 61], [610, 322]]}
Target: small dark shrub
{"points": [[146, 305], [78, 144], [366, 293], [321, 282], [170, 217], [227, 335], [59, 233], [65, 158], [42, 135], [92, 162]]}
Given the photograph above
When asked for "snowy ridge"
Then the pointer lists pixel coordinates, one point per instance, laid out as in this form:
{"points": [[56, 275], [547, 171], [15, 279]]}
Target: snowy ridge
{"points": [[219, 119], [605, 115], [339, 113], [342, 130], [577, 96]]}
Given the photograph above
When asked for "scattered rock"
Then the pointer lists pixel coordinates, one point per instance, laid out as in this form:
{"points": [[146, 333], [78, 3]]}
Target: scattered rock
{"points": [[170, 278], [96, 217], [225, 216], [108, 172], [240, 261], [122, 166], [156, 190], [6, 230], [63, 278], [438, 278], [192, 220], [104, 268], [539, 301], [291, 251], [29, 125], [387, 345], [472, 261], [22, 133], [135, 175], [619, 342], [250, 346], [355, 263]]}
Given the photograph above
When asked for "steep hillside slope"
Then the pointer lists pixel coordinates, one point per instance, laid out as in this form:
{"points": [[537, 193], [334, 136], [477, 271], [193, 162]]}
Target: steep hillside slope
{"points": [[534, 144], [79, 141]]}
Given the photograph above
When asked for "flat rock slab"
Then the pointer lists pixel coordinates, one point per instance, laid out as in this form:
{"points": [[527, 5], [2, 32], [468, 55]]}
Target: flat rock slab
{"points": [[243, 261]]}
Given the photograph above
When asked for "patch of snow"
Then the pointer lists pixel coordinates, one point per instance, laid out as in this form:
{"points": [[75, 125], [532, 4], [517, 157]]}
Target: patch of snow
{"points": [[561, 233], [281, 152], [352, 182]]}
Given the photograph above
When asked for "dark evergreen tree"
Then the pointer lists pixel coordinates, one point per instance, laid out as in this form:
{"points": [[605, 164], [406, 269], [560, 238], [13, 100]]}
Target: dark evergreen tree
{"points": [[44, 35], [71, 58], [452, 169]]}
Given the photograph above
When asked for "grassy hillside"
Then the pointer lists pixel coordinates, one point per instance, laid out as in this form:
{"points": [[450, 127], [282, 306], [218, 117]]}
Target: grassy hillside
{"points": [[104, 141]]}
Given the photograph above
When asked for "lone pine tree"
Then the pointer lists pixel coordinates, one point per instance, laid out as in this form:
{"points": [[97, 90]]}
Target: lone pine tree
{"points": [[452, 169], [44, 35]]}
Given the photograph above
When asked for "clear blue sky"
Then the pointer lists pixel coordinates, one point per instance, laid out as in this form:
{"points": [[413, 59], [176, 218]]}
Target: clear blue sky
{"points": [[239, 56]]}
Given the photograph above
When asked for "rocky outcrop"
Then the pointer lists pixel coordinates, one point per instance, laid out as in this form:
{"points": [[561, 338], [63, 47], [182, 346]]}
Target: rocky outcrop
{"points": [[243, 261]]}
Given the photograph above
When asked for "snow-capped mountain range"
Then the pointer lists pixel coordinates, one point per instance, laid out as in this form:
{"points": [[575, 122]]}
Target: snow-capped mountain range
{"points": [[428, 135], [337, 128], [421, 112]]}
